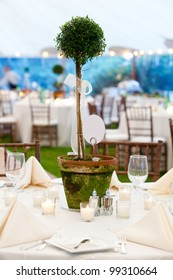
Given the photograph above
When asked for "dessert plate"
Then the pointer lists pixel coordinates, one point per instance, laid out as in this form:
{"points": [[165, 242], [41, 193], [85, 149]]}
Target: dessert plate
{"points": [[93, 245]]}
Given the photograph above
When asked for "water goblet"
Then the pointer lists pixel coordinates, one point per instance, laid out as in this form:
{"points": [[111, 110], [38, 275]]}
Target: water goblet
{"points": [[138, 170], [15, 167]]}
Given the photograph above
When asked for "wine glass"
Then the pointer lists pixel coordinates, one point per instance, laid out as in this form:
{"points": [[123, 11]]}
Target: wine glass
{"points": [[138, 170], [15, 167]]}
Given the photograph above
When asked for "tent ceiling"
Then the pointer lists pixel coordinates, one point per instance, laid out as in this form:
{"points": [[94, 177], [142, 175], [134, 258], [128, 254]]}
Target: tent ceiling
{"points": [[27, 26]]}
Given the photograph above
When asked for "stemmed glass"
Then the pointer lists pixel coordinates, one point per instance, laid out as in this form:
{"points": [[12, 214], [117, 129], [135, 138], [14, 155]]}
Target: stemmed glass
{"points": [[138, 170], [15, 167]]}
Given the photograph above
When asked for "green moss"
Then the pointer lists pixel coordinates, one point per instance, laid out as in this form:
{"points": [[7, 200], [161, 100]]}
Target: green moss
{"points": [[79, 187]]}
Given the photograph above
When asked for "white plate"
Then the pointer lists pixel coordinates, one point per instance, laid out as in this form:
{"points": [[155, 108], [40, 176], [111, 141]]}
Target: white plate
{"points": [[94, 245]]}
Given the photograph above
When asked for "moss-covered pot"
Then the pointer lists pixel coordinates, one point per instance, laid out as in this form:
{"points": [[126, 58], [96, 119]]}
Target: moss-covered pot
{"points": [[81, 177]]}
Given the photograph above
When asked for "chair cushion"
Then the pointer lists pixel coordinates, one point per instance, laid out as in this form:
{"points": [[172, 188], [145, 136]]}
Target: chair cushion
{"points": [[115, 134], [45, 122]]}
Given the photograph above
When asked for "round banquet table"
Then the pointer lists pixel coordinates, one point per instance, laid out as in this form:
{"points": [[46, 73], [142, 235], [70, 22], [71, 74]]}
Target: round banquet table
{"points": [[62, 110], [69, 225]]}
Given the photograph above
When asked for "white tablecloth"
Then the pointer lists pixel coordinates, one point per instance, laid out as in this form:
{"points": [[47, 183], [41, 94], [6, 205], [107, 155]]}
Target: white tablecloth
{"points": [[61, 110], [70, 226]]}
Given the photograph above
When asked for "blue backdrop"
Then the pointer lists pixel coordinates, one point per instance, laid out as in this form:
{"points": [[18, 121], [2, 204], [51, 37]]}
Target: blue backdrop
{"points": [[153, 72]]}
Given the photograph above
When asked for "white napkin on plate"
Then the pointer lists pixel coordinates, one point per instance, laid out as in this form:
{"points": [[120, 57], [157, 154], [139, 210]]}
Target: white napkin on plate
{"points": [[154, 229], [34, 174], [19, 226], [163, 184], [2, 161]]}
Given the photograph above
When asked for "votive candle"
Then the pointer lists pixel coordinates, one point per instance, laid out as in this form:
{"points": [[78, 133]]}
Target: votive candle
{"points": [[53, 191], [123, 208], [124, 194], [149, 203], [9, 197], [48, 206], [87, 212]]}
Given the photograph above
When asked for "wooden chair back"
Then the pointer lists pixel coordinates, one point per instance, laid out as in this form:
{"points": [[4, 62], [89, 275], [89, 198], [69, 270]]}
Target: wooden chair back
{"points": [[171, 130], [8, 122], [92, 108], [6, 108], [44, 128], [139, 122], [40, 112], [123, 149], [107, 108]]}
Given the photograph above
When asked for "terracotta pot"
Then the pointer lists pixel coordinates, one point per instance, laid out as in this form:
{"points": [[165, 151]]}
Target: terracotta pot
{"points": [[81, 177]]}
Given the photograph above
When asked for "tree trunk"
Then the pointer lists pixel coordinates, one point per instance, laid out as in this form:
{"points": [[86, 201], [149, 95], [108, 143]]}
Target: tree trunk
{"points": [[80, 139]]}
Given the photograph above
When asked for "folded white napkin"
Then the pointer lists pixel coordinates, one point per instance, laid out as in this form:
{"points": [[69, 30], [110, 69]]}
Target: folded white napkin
{"points": [[34, 174], [115, 183], [19, 226], [154, 229], [163, 184], [2, 161]]}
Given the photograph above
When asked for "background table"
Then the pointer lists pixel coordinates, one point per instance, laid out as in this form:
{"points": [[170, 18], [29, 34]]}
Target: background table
{"points": [[62, 110]]}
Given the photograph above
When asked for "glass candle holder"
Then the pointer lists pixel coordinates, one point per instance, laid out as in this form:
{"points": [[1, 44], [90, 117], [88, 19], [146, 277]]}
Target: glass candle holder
{"points": [[38, 196], [87, 211], [10, 195], [53, 191], [125, 193], [123, 208], [48, 206], [149, 201]]}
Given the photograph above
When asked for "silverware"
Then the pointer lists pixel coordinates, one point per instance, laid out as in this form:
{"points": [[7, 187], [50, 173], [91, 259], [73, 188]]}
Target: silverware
{"points": [[81, 242], [121, 240], [28, 247], [42, 246], [116, 247]]}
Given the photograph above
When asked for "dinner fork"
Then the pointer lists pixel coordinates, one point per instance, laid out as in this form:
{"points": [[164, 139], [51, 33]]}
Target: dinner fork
{"points": [[121, 240]]}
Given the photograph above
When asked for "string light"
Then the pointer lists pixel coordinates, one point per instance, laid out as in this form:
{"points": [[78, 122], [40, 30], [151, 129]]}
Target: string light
{"points": [[170, 51], [159, 51], [17, 54], [127, 55], [136, 53], [141, 52], [150, 52], [45, 54], [59, 55], [112, 53]]}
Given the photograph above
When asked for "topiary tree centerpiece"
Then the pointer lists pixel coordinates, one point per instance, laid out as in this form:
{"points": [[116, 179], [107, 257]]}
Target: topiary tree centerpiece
{"points": [[81, 39]]}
